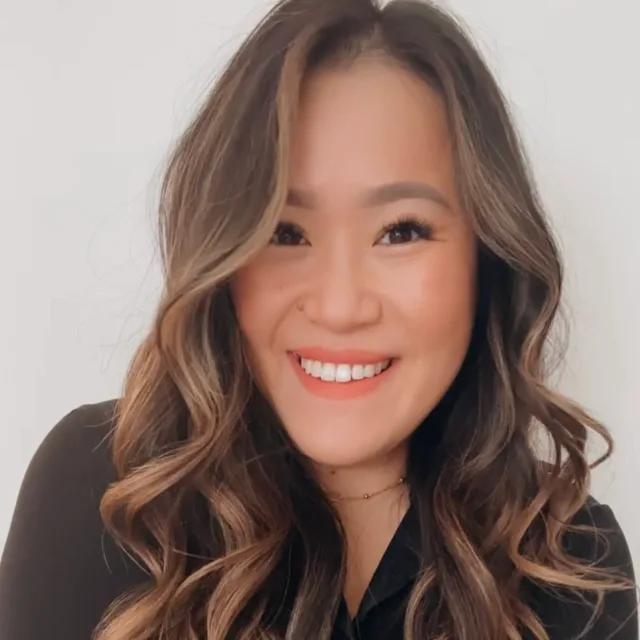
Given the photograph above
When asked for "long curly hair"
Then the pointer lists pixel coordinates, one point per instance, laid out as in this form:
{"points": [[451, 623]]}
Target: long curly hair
{"points": [[213, 499]]}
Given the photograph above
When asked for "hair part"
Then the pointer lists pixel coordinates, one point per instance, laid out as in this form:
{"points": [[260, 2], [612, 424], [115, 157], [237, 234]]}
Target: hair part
{"points": [[214, 500]]}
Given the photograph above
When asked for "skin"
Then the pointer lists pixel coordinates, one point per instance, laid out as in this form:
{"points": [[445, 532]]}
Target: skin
{"points": [[340, 281]]}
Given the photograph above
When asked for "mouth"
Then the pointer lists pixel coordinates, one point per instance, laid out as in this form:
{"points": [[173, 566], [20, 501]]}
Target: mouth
{"points": [[341, 373]]}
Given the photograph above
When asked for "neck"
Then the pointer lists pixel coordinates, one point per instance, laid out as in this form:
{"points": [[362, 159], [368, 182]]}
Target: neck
{"points": [[365, 478]]}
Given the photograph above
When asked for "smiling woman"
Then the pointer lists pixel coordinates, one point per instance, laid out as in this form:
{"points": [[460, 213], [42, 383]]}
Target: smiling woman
{"points": [[372, 252], [330, 431]]}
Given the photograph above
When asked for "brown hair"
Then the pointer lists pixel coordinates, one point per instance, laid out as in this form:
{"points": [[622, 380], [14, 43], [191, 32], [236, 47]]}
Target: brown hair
{"points": [[213, 499]]}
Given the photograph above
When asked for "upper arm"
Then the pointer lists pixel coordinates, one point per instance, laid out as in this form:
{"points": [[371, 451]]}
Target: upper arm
{"points": [[59, 569]]}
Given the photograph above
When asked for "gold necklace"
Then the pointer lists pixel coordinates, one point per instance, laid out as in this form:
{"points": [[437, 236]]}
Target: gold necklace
{"points": [[366, 496]]}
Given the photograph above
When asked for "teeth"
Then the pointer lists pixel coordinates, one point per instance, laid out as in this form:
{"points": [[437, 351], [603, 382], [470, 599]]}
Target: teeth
{"points": [[330, 372]]}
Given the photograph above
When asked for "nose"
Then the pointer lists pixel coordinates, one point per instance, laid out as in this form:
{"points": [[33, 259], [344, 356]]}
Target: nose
{"points": [[340, 297]]}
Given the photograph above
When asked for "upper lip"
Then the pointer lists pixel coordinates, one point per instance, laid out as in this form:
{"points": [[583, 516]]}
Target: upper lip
{"points": [[342, 356]]}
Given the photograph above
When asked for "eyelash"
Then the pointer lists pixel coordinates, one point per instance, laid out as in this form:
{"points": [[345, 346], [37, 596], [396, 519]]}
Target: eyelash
{"points": [[411, 223], [406, 222]]}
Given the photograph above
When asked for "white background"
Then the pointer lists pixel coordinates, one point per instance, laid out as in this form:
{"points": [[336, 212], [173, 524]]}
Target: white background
{"points": [[91, 95]]}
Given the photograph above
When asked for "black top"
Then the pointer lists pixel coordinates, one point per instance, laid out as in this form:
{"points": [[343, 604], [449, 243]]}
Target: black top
{"points": [[59, 570]]}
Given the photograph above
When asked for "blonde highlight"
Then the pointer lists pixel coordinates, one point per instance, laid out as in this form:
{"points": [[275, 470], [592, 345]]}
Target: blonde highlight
{"points": [[213, 499]]}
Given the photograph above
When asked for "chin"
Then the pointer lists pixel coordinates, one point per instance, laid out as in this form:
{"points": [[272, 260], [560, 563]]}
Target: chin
{"points": [[335, 460], [339, 452]]}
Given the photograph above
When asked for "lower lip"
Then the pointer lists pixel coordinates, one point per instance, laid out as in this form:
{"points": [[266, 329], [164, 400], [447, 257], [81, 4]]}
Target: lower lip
{"points": [[339, 390]]}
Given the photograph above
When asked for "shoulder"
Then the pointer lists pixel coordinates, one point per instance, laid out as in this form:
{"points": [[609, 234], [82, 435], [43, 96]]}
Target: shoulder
{"points": [[596, 538], [603, 542], [72, 467], [59, 568], [78, 443]]}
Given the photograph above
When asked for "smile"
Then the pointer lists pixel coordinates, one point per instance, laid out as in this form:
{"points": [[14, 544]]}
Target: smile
{"points": [[341, 373]]}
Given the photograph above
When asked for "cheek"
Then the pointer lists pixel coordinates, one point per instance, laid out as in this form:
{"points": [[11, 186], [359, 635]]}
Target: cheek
{"points": [[249, 302], [249, 308], [254, 301], [440, 304], [261, 302]]}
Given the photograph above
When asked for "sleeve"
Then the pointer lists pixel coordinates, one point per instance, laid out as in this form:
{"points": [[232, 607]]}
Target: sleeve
{"points": [[59, 571]]}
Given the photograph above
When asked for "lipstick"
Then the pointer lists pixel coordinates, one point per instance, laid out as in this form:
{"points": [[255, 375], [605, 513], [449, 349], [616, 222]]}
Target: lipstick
{"points": [[332, 389]]}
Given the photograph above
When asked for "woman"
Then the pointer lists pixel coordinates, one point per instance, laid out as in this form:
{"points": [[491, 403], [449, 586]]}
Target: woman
{"points": [[332, 430]]}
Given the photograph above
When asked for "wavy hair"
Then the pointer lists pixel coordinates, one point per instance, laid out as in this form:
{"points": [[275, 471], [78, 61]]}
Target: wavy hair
{"points": [[213, 499]]}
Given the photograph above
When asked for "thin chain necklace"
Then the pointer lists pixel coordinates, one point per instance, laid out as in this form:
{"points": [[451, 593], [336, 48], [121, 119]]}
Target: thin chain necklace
{"points": [[366, 496]]}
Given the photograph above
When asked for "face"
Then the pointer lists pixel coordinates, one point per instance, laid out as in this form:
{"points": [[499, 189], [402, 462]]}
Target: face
{"points": [[358, 315]]}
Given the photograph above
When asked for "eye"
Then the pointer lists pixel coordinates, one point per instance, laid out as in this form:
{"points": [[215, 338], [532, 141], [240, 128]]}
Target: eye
{"points": [[404, 231], [288, 234]]}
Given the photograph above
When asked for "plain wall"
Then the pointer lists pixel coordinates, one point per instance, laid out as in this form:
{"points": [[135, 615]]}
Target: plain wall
{"points": [[92, 95]]}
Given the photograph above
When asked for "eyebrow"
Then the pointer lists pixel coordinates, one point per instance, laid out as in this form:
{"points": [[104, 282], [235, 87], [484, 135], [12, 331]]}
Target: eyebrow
{"points": [[378, 196]]}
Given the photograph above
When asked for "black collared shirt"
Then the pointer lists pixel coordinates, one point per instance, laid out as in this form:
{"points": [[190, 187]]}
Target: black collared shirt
{"points": [[381, 611], [59, 571]]}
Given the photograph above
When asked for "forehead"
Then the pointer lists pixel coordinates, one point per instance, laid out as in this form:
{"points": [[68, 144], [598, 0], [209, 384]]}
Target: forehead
{"points": [[374, 122]]}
